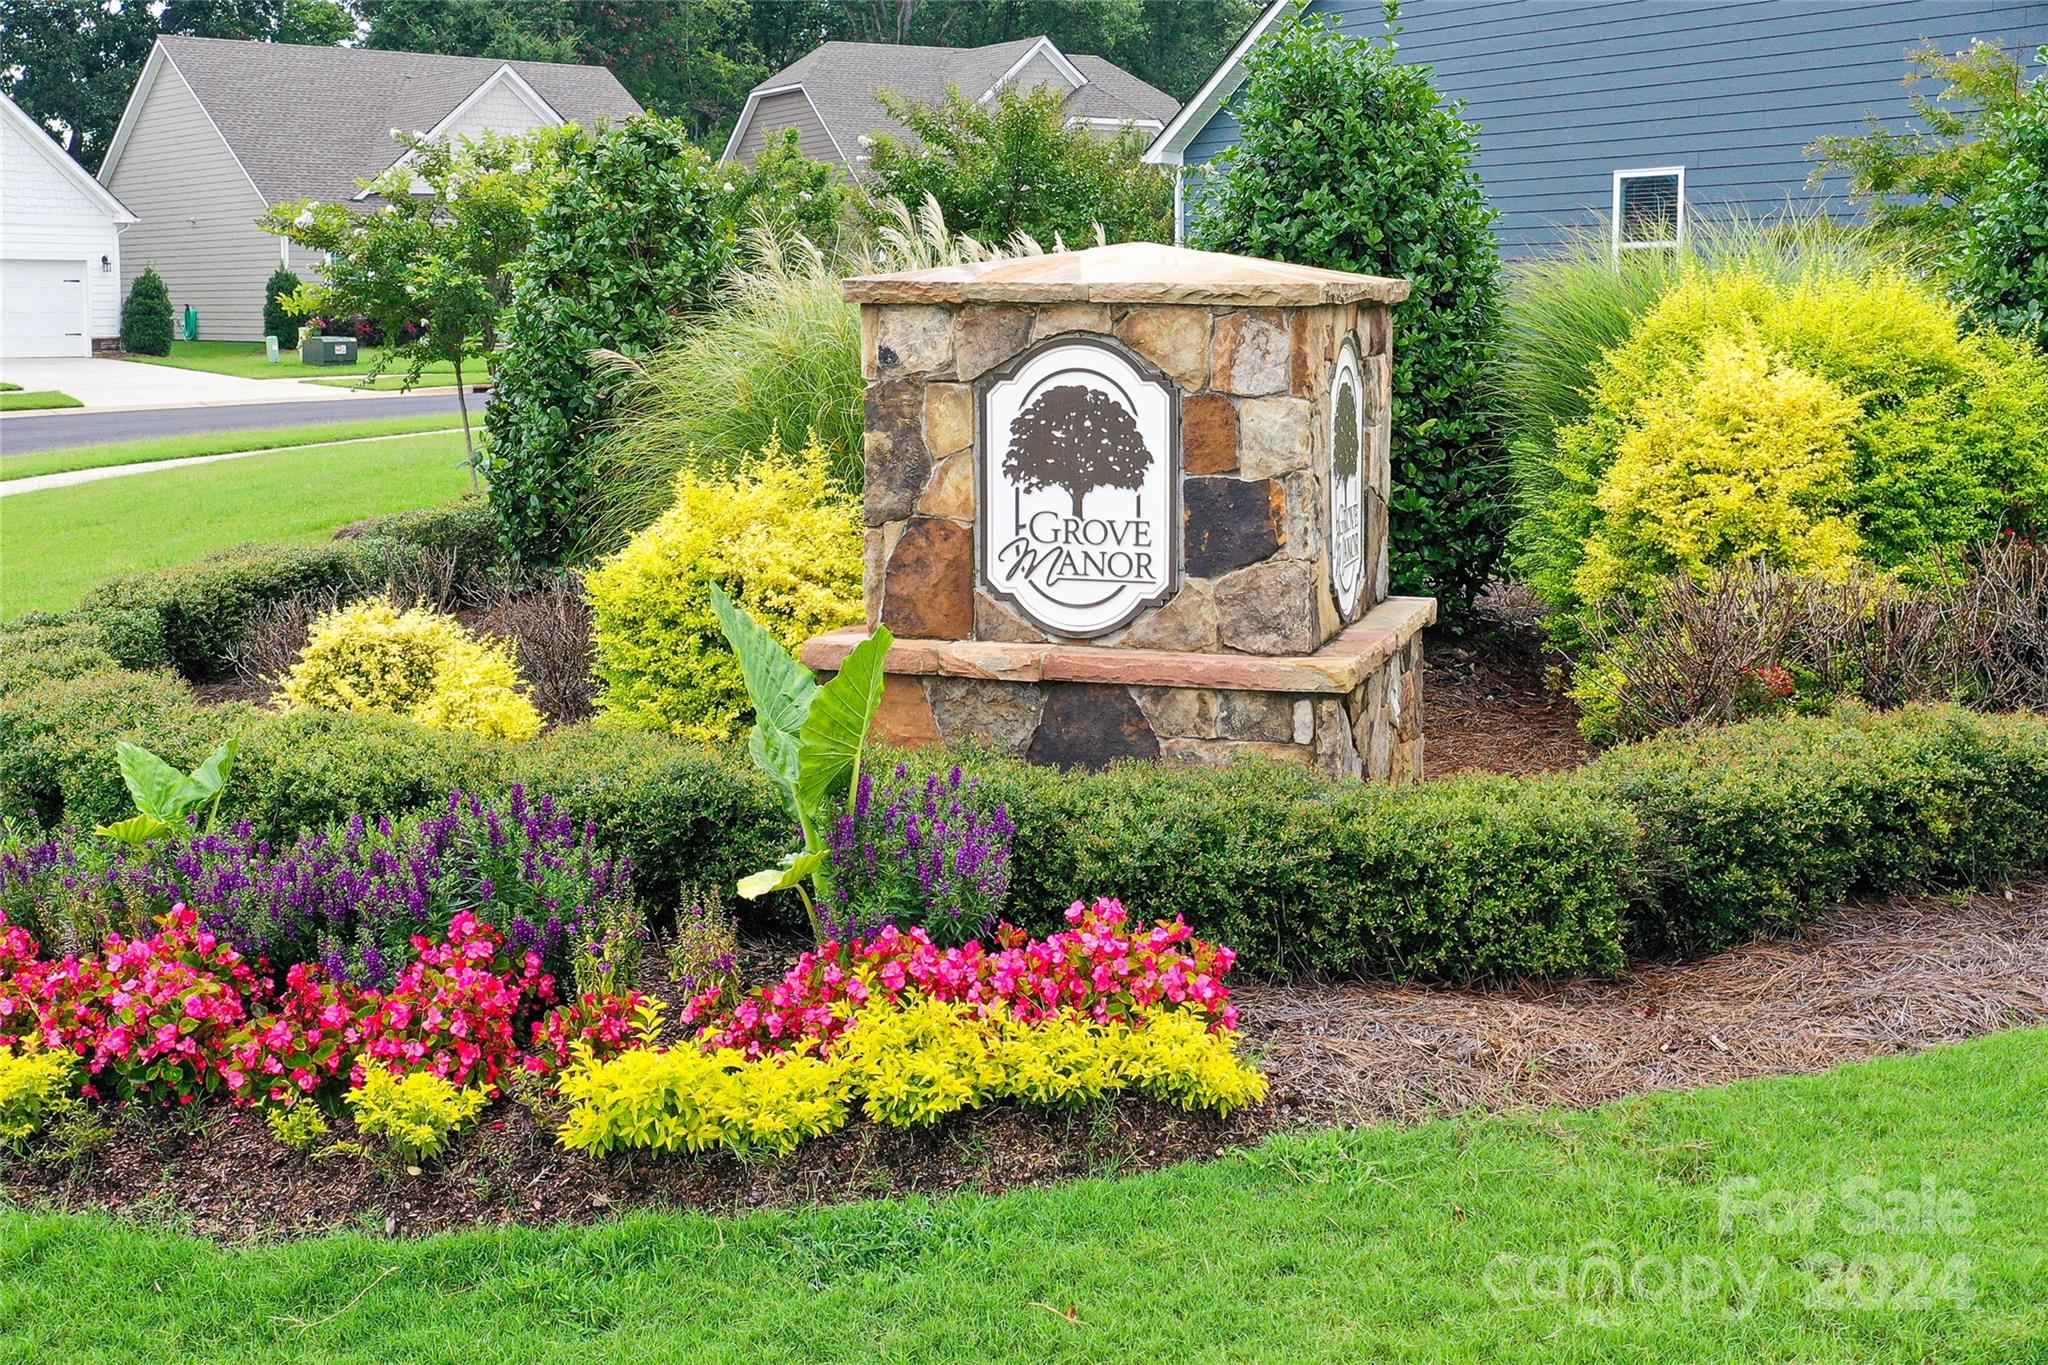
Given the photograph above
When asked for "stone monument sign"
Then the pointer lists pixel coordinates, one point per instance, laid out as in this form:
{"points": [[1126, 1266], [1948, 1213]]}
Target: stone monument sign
{"points": [[1132, 502]]}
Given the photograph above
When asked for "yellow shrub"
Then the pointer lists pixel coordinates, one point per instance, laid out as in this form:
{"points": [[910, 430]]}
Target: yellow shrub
{"points": [[687, 1100], [35, 1087], [298, 1127], [419, 663], [781, 537], [416, 1113], [1749, 458], [905, 1066]]}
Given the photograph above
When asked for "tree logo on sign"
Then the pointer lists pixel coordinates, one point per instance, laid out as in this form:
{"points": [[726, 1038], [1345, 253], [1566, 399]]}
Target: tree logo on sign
{"points": [[1077, 439]]}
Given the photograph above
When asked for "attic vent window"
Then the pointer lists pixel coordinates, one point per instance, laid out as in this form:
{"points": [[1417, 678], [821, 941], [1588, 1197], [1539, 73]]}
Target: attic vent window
{"points": [[1649, 207]]}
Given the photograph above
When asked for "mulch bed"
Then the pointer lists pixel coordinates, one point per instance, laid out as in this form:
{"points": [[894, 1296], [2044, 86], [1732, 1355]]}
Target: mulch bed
{"points": [[1867, 980], [1487, 706]]}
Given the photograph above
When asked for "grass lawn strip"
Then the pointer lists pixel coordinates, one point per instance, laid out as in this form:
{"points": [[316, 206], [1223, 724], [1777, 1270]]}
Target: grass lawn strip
{"points": [[248, 361], [62, 541], [1884, 1211], [35, 463], [32, 400]]}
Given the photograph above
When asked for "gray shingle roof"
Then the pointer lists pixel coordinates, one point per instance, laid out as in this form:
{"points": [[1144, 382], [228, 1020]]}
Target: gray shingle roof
{"points": [[844, 81], [310, 122]]}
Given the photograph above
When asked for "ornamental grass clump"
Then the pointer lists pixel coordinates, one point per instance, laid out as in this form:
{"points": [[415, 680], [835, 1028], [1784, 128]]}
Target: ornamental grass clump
{"points": [[782, 537], [417, 663], [934, 855]]}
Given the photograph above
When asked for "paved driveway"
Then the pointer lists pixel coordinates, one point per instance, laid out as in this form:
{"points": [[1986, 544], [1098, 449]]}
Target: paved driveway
{"points": [[125, 384], [22, 432]]}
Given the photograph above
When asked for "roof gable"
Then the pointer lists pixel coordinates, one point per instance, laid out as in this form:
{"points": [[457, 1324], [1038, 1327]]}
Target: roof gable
{"points": [[311, 122], [1166, 149], [46, 147], [844, 81]]}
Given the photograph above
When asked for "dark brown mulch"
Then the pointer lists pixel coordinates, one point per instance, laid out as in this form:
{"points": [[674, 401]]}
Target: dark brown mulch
{"points": [[1867, 980]]}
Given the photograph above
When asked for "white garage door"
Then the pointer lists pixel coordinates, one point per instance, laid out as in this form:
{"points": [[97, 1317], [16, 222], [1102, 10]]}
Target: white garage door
{"points": [[42, 309]]}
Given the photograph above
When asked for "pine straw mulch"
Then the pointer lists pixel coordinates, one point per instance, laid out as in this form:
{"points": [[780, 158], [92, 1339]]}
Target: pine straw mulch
{"points": [[1867, 980], [1864, 981]]}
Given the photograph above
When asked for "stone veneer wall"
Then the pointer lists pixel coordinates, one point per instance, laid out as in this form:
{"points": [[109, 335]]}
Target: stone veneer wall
{"points": [[1255, 425], [1352, 709]]}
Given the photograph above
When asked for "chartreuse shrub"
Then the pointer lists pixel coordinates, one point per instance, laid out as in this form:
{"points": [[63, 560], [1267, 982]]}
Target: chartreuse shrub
{"points": [[783, 539], [146, 315], [416, 1113], [35, 1089], [635, 234], [906, 1065], [1843, 417], [419, 663], [1348, 159]]}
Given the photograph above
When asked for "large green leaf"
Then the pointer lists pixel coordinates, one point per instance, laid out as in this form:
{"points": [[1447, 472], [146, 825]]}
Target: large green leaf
{"points": [[793, 868], [136, 830], [837, 727], [775, 753], [153, 783], [208, 778], [780, 687]]}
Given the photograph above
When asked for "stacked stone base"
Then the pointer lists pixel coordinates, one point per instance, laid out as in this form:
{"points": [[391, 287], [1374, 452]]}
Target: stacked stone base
{"points": [[1351, 709]]}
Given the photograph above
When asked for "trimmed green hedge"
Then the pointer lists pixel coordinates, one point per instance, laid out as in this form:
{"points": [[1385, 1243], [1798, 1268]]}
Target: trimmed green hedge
{"points": [[193, 616], [1689, 842]]}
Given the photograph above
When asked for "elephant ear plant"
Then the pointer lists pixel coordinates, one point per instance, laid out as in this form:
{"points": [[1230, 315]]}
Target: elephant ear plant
{"points": [[808, 739], [163, 795]]}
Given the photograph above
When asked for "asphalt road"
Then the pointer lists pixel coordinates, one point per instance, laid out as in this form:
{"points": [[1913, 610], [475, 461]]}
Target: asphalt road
{"points": [[58, 431]]}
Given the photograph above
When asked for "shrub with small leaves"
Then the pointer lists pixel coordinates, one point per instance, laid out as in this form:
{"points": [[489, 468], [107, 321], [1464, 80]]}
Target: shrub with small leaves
{"points": [[35, 1089], [417, 1114], [418, 663], [280, 320], [298, 1127]]}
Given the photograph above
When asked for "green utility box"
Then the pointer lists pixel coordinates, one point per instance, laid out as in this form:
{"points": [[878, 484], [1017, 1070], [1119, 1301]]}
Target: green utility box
{"points": [[191, 323], [328, 351]]}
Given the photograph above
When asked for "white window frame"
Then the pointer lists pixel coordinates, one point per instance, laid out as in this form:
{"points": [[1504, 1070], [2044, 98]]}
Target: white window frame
{"points": [[1646, 173]]}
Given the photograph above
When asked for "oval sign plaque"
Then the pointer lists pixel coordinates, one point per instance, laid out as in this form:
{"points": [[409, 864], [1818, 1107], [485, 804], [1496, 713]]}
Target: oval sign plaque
{"points": [[1078, 463], [1347, 480]]}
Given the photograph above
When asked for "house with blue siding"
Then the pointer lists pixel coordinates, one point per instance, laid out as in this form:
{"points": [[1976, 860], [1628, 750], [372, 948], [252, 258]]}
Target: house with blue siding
{"points": [[1637, 113]]}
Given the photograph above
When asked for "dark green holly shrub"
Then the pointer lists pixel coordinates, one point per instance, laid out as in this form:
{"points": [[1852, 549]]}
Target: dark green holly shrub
{"points": [[465, 529], [146, 315], [1348, 160], [279, 321], [634, 236]]}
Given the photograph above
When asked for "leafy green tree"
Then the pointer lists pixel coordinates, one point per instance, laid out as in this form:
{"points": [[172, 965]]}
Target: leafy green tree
{"points": [[511, 30], [146, 315], [690, 61], [431, 265], [2001, 264], [634, 236], [1350, 161], [1922, 182], [1014, 166], [786, 192]]}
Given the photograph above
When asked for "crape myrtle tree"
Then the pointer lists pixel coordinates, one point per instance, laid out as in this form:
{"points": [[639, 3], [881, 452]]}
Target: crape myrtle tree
{"points": [[1349, 160], [428, 257], [1078, 439]]}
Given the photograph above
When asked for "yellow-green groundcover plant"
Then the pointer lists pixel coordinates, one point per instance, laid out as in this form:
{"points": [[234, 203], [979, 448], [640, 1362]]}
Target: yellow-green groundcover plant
{"points": [[785, 541], [906, 1065], [35, 1086], [1845, 418], [419, 663]]}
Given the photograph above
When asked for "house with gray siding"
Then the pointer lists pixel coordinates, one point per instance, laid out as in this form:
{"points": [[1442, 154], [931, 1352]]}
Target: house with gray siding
{"points": [[218, 130], [832, 95], [1637, 113]]}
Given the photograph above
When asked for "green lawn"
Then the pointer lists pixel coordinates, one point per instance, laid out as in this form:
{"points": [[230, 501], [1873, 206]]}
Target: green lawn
{"points": [[15, 399], [35, 462], [1727, 1212], [60, 542], [247, 360]]}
